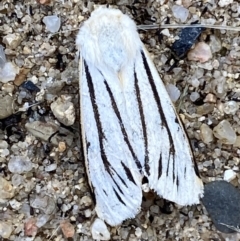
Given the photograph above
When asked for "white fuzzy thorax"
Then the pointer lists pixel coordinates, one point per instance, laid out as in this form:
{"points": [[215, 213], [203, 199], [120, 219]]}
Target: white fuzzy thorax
{"points": [[108, 39]]}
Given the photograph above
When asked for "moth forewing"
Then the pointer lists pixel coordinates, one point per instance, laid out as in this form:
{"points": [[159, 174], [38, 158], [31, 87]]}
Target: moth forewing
{"points": [[107, 153], [129, 124], [172, 171]]}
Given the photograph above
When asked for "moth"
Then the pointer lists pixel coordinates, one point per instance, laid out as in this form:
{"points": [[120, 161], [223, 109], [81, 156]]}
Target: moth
{"points": [[129, 126]]}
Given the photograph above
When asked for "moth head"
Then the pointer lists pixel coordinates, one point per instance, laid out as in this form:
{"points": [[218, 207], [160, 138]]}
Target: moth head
{"points": [[108, 38]]}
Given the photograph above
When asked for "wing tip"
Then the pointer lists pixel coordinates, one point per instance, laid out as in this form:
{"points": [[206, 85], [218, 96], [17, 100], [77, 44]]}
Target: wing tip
{"points": [[190, 194]]}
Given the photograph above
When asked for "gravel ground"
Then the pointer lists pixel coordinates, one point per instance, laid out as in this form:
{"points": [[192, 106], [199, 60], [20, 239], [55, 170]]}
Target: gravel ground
{"points": [[44, 193]]}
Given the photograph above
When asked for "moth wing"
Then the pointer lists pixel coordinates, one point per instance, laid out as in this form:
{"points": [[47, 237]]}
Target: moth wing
{"points": [[114, 178], [169, 163]]}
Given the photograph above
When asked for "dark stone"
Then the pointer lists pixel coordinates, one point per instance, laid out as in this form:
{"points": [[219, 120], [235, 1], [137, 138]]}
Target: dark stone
{"points": [[222, 201], [30, 86], [187, 38], [10, 120], [60, 64]]}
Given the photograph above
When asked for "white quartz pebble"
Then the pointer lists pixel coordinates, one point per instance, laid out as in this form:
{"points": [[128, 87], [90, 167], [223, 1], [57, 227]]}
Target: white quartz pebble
{"points": [[99, 230], [229, 175], [52, 23]]}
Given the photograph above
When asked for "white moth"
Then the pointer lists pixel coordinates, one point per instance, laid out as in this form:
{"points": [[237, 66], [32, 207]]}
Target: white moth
{"points": [[129, 126]]}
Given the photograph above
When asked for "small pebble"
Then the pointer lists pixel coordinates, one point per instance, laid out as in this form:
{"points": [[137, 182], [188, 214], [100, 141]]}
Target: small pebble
{"points": [[4, 152], [62, 146], [51, 167], [45, 203], [206, 133], [229, 175], [225, 133], [222, 201], [53, 87], [3, 144], [201, 52], [67, 229], [21, 76], [205, 109], [173, 92], [180, 12], [8, 72], [12, 40], [53, 23], [42, 130], [17, 180], [154, 209], [86, 201], [42, 219], [186, 38], [44, 2], [206, 66], [30, 227], [165, 32], [40, 95], [6, 189], [30, 86], [223, 3], [5, 229], [210, 98], [26, 50], [215, 44], [63, 110], [19, 164], [87, 213], [15, 204], [194, 96], [230, 107], [8, 88], [138, 232], [99, 230]]}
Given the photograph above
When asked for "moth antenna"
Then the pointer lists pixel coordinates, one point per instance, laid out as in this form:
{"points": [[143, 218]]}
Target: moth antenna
{"points": [[66, 31], [181, 98], [151, 27], [54, 232], [25, 108]]}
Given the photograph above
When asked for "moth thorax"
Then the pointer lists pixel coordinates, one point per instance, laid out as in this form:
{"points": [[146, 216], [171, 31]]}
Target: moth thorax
{"points": [[114, 51]]}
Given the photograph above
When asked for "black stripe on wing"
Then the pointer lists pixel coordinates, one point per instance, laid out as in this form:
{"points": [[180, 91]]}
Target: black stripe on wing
{"points": [[124, 133], [119, 197], [162, 116], [128, 173], [101, 135], [143, 121], [160, 166]]}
